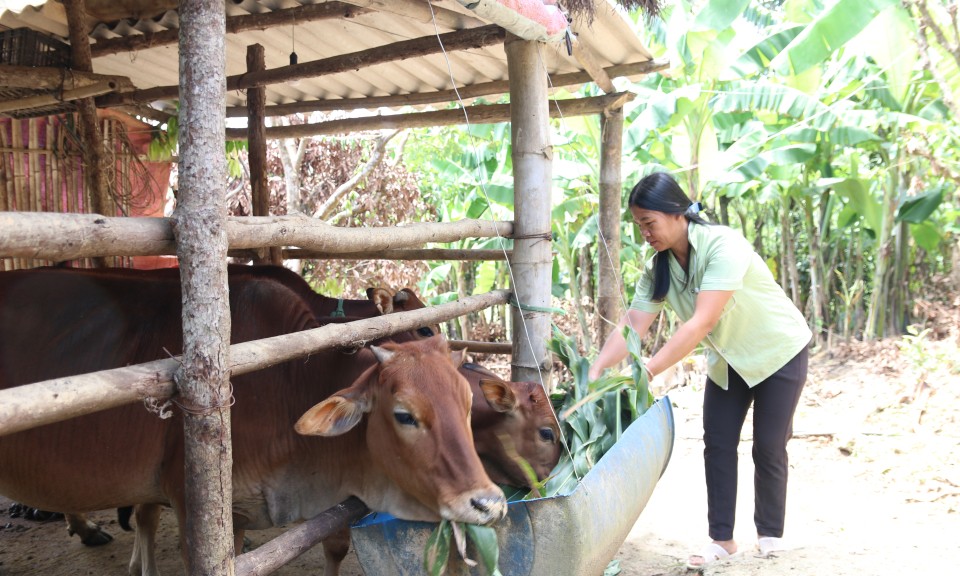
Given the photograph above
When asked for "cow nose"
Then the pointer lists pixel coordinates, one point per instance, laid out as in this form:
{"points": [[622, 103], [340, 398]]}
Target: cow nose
{"points": [[487, 505]]}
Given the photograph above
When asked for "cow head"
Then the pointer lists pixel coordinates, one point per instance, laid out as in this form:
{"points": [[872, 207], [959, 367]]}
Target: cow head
{"points": [[515, 423], [404, 300], [417, 432]]}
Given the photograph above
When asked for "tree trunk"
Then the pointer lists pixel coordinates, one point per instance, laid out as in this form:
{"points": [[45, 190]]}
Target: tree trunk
{"points": [[791, 274], [879, 298], [292, 152], [200, 229], [724, 203], [816, 276], [532, 259]]}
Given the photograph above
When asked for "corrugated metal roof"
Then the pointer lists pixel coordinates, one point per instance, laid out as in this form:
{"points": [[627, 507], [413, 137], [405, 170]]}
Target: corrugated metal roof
{"points": [[610, 38]]}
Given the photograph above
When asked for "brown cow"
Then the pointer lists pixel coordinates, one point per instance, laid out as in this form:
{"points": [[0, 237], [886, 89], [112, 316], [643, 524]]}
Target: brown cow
{"points": [[511, 422], [380, 300], [403, 458]]}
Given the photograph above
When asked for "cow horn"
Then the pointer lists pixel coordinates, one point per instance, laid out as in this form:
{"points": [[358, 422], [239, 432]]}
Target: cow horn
{"points": [[382, 354]]}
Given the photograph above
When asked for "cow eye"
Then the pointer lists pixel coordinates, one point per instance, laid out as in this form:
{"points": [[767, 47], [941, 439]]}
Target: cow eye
{"points": [[405, 418], [425, 331], [546, 434]]}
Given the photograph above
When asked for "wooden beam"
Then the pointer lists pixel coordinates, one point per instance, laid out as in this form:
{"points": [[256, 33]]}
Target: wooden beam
{"points": [[235, 25], [272, 555], [464, 92], [487, 114], [32, 405], [61, 237], [401, 254], [257, 157], [56, 78], [417, 47], [482, 347], [423, 12], [65, 96], [609, 282], [585, 56], [95, 181]]}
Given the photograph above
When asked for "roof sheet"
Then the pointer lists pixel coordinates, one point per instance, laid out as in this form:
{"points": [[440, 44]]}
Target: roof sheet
{"points": [[610, 37]]}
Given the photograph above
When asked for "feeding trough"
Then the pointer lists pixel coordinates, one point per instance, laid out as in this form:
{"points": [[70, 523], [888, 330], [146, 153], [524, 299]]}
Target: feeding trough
{"points": [[574, 533]]}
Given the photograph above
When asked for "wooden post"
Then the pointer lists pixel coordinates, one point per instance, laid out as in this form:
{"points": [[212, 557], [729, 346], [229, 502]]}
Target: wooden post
{"points": [[94, 171], [532, 258], [257, 140], [199, 225], [609, 293]]}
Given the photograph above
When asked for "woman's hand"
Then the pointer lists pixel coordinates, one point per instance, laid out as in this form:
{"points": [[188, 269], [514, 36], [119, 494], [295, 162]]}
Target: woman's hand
{"points": [[595, 372]]}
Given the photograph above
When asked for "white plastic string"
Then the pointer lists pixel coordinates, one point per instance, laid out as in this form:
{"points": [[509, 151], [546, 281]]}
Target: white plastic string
{"points": [[501, 240]]}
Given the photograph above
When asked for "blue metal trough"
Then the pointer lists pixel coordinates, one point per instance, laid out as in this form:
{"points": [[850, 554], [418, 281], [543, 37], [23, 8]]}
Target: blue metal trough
{"points": [[574, 534]]}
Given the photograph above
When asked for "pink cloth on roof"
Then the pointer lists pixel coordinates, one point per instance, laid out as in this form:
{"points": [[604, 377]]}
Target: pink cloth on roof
{"points": [[542, 11]]}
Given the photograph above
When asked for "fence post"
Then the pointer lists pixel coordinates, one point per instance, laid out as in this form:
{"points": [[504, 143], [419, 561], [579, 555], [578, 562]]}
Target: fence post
{"points": [[199, 225], [532, 260]]}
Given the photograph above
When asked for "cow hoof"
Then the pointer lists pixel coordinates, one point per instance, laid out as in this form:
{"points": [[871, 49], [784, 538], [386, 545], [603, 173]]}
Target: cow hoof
{"points": [[42, 515], [96, 538]]}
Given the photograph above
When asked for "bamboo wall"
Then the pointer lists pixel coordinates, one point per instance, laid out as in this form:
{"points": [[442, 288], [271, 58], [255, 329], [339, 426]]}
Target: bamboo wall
{"points": [[41, 170]]}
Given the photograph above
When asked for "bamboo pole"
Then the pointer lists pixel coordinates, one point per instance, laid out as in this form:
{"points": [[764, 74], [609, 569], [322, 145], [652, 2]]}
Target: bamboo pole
{"points": [[36, 200], [630, 70], [271, 556], [428, 45], [65, 96], [48, 236], [532, 258], [479, 114], [609, 293], [18, 193], [32, 405], [199, 225]]}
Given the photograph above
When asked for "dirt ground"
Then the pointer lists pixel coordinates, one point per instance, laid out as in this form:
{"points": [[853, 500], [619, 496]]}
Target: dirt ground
{"points": [[874, 486]]}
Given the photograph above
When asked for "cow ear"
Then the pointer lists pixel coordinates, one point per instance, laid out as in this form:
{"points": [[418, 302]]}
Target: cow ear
{"points": [[499, 395], [458, 357], [382, 298], [333, 416]]}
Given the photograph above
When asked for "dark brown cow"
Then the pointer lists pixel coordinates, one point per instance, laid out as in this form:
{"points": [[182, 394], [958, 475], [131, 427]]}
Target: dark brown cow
{"points": [[403, 458]]}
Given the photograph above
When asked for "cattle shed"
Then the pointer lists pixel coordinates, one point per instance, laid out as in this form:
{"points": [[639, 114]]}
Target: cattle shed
{"points": [[382, 64]]}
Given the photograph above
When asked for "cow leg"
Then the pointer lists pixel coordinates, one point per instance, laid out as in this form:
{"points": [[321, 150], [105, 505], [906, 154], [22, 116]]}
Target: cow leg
{"points": [[89, 533], [239, 542], [143, 561], [335, 548]]}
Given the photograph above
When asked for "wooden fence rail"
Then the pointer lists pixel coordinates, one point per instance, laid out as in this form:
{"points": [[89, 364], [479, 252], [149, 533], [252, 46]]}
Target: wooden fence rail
{"points": [[59, 237], [32, 405], [272, 555]]}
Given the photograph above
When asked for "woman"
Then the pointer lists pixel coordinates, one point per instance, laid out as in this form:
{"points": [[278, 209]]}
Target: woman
{"points": [[756, 343]]}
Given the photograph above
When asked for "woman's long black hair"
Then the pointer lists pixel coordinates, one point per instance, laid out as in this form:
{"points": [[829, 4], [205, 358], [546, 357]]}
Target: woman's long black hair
{"points": [[661, 192]]}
